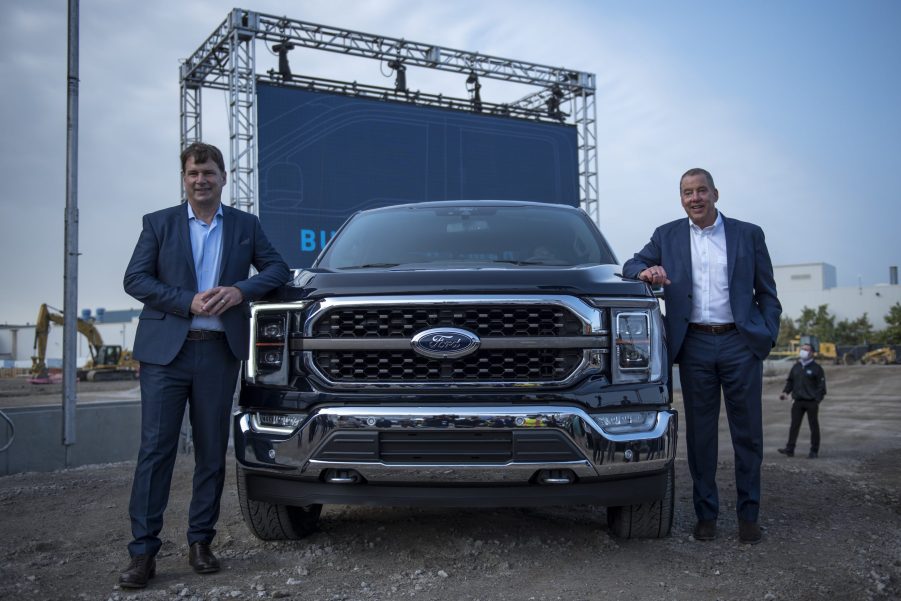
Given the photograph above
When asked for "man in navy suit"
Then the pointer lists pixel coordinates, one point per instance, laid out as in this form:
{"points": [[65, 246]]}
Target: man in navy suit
{"points": [[190, 269], [722, 319]]}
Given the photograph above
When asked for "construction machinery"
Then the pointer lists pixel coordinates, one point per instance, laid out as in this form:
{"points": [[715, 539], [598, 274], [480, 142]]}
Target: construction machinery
{"points": [[823, 351], [881, 356], [107, 362]]}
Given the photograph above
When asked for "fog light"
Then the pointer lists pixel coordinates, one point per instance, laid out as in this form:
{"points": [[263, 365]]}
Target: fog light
{"points": [[626, 423], [276, 423], [551, 477], [342, 477]]}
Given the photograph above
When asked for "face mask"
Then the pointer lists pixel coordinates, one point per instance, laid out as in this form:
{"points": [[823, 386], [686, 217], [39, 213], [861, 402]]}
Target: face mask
{"points": [[804, 354]]}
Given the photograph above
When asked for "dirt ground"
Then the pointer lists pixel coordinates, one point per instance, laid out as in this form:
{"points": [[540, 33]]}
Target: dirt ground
{"points": [[832, 530]]}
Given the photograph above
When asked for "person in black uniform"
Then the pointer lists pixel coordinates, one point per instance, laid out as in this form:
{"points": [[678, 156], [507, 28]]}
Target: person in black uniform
{"points": [[807, 384]]}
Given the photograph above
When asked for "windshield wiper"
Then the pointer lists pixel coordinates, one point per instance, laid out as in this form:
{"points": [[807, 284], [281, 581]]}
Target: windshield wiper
{"points": [[370, 266], [512, 262]]}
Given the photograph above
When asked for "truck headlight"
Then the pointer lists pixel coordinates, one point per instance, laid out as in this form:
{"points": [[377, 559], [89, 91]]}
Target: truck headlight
{"points": [[270, 327], [638, 351], [633, 341], [270, 334]]}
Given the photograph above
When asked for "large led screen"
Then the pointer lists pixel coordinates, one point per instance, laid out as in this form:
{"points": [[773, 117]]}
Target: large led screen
{"points": [[322, 156]]}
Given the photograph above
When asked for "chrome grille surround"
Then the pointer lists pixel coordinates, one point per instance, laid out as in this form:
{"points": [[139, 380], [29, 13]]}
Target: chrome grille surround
{"points": [[565, 345]]}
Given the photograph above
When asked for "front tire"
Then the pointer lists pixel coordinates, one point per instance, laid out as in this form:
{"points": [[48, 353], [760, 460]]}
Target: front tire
{"points": [[268, 521], [645, 520]]}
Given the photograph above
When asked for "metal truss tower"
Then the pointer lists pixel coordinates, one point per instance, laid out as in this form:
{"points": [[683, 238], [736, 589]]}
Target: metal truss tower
{"points": [[226, 61]]}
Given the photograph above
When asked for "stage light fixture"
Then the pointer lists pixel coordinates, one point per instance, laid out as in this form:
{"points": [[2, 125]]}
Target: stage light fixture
{"points": [[473, 86], [553, 104], [400, 82], [284, 69]]}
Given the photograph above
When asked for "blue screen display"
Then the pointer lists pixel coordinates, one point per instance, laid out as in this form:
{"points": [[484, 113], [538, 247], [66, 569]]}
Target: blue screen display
{"points": [[323, 156]]}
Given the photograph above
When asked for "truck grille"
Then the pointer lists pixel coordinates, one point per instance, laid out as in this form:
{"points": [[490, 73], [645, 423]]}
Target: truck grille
{"points": [[484, 321], [453, 446], [502, 365], [534, 340]]}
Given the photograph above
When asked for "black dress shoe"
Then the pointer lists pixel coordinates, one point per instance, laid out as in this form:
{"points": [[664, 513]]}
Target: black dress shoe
{"points": [[787, 452], [705, 530], [812, 455], [141, 569], [749, 532], [202, 559]]}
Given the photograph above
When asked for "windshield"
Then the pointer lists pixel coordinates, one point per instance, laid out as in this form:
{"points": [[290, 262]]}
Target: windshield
{"points": [[517, 235]]}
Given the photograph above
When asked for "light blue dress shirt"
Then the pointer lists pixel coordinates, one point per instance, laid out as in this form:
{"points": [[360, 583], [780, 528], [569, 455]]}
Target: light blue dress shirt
{"points": [[206, 246]]}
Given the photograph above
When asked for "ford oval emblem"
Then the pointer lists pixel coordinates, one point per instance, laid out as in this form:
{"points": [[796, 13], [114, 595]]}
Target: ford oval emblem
{"points": [[445, 343]]}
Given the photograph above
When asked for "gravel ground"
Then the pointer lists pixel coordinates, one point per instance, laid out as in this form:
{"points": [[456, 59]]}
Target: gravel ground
{"points": [[832, 531]]}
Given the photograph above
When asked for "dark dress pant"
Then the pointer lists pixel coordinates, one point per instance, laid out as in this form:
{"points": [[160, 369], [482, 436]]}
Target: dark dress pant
{"points": [[812, 409], [203, 375], [709, 364]]}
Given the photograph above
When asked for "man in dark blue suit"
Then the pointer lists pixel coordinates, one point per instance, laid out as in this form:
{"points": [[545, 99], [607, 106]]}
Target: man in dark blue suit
{"points": [[722, 319], [190, 269]]}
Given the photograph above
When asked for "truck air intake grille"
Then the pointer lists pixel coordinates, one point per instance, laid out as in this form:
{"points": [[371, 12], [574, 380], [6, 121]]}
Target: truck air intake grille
{"points": [[482, 320], [461, 447], [501, 365]]}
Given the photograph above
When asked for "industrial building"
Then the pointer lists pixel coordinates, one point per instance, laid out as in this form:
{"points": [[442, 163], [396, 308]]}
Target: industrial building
{"points": [[814, 284]]}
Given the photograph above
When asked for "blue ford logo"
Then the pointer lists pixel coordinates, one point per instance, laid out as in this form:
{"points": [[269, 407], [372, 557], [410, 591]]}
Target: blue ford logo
{"points": [[445, 343]]}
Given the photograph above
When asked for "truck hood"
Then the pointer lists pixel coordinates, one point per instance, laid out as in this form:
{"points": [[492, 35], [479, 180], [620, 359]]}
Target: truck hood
{"points": [[601, 280]]}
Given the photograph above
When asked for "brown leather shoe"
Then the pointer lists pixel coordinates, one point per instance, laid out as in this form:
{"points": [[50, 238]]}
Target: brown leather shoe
{"points": [[141, 569], [202, 559], [749, 533], [705, 530]]}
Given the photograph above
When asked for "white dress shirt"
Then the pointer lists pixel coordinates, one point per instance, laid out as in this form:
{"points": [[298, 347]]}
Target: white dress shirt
{"points": [[709, 274]]}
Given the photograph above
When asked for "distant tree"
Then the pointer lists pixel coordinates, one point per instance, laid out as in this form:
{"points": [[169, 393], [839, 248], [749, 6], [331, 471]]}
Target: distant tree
{"points": [[818, 323], [859, 331], [892, 332], [806, 320], [787, 331]]}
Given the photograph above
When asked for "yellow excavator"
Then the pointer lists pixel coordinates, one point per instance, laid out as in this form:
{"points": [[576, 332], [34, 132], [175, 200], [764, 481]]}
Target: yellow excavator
{"points": [[107, 362]]}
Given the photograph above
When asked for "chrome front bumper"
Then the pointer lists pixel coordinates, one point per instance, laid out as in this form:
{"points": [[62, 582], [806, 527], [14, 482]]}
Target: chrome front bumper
{"points": [[296, 453]]}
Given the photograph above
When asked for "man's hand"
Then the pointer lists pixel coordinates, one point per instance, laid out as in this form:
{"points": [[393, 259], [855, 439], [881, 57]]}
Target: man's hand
{"points": [[782, 397], [655, 276], [216, 301]]}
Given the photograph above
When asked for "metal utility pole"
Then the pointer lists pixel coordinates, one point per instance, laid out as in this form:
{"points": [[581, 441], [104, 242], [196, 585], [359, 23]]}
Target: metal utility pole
{"points": [[70, 274]]}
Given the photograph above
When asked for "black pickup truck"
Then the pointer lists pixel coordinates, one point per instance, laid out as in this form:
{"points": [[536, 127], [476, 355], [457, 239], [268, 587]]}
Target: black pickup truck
{"points": [[477, 354]]}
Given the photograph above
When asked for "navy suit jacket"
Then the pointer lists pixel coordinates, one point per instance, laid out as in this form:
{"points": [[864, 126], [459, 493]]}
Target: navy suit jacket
{"points": [[752, 289], [161, 275]]}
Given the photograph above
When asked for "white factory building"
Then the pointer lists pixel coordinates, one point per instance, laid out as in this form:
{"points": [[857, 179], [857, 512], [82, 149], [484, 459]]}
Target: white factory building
{"points": [[813, 284]]}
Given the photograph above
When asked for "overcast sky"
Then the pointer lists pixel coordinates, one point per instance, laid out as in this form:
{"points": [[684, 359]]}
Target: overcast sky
{"points": [[792, 105]]}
